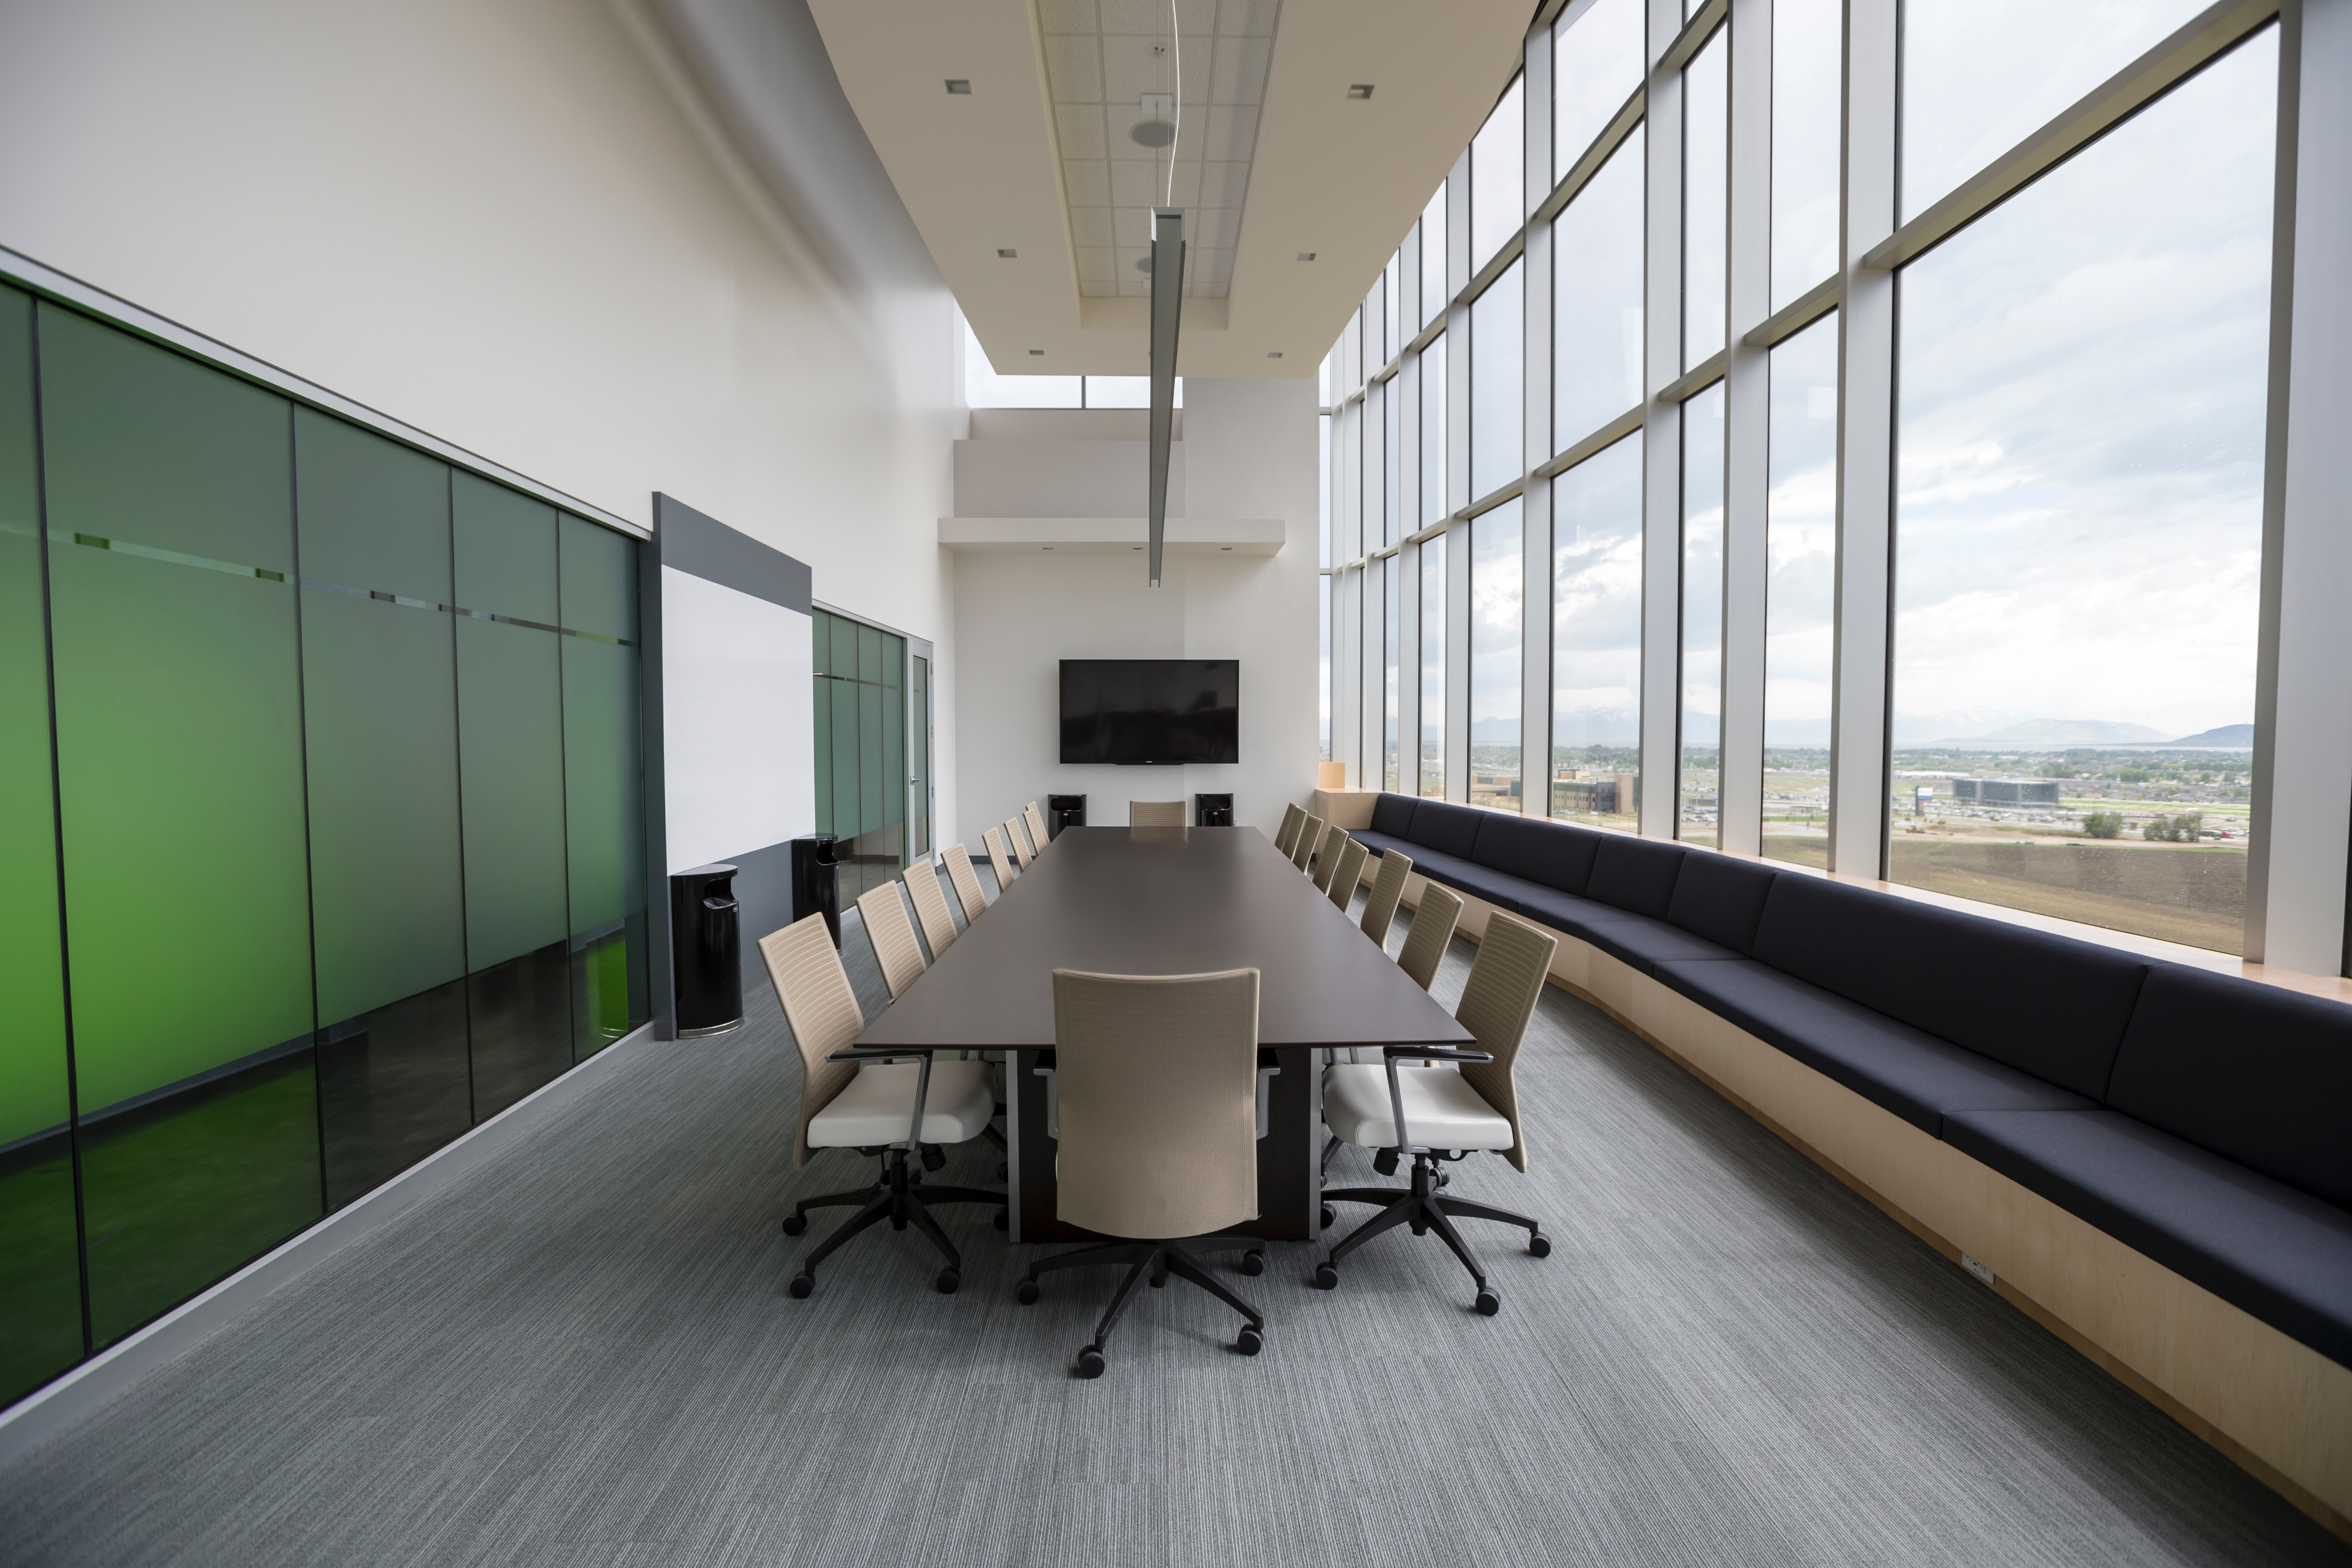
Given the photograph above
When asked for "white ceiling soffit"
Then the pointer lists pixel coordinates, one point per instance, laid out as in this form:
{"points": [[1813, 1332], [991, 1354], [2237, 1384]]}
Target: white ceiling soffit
{"points": [[1018, 163]]}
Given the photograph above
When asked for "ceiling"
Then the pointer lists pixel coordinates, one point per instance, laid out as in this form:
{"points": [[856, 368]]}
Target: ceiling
{"points": [[1273, 159]]}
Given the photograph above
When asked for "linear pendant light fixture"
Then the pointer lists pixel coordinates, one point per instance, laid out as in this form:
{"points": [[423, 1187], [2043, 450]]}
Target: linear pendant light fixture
{"points": [[1167, 301]]}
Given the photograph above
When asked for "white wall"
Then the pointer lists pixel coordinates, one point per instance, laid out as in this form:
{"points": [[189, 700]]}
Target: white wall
{"points": [[1249, 452], [515, 225]]}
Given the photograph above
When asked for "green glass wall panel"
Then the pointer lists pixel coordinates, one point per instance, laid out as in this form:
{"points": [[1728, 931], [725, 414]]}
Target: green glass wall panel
{"points": [[40, 1266], [893, 781], [845, 759], [870, 757], [844, 662], [599, 580], [821, 655], [179, 760], [870, 654], [821, 718], [505, 551]]}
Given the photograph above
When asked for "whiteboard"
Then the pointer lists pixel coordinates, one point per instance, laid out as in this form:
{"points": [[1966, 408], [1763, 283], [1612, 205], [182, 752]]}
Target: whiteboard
{"points": [[739, 761]]}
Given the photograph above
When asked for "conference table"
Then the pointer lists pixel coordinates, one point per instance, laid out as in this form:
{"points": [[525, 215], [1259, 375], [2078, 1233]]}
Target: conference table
{"points": [[1167, 900]]}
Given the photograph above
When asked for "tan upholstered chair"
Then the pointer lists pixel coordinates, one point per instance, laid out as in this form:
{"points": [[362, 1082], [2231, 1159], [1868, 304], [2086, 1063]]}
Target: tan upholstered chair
{"points": [[930, 907], [1342, 889], [1035, 820], [879, 1102], [1287, 835], [1019, 843], [1446, 1114], [1432, 929], [1326, 856], [1158, 1078], [1310, 833], [998, 860], [1388, 887], [958, 860], [1155, 813], [883, 914]]}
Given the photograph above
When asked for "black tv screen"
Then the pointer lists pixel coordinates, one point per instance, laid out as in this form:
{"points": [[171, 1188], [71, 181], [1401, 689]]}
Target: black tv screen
{"points": [[1151, 709]]}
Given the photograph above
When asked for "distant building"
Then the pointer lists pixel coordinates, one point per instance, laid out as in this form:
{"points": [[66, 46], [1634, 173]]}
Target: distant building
{"points": [[2007, 792]]}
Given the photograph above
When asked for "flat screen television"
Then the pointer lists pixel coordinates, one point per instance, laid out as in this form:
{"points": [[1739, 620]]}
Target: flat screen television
{"points": [[1137, 710]]}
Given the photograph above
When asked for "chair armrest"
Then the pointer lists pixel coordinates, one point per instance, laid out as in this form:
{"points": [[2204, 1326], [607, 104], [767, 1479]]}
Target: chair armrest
{"points": [[923, 1054], [1435, 1054]]}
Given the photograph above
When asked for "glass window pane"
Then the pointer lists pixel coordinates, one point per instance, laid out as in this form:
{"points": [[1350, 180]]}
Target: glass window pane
{"points": [[1497, 575], [1498, 177], [1323, 648], [1596, 65], [1596, 299], [1707, 197], [1702, 638], [1596, 638], [1391, 282], [1121, 391], [2079, 525], [1433, 291], [1433, 432], [984, 388], [1323, 489], [1800, 623], [1497, 387], [604, 789], [1393, 411], [1807, 46], [1979, 76], [1392, 570], [1433, 666]]}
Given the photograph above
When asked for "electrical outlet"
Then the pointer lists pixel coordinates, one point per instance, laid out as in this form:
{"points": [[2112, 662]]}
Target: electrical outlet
{"points": [[1980, 1271]]}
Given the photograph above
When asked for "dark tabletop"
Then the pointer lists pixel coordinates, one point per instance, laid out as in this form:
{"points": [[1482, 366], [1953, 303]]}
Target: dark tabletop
{"points": [[1164, 901]]}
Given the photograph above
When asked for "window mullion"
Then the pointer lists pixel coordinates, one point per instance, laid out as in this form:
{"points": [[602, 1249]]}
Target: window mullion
{"points": [[1747, 431]]}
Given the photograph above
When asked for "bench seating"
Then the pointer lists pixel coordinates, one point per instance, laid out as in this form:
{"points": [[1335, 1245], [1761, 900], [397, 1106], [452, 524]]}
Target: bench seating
{"points": [[2200, 1119]]}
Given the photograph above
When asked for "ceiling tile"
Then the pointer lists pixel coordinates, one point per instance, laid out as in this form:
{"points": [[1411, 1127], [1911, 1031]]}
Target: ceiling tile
{"points": [[1232, 134], [1150, 17], [1223, 185], [1097, 263], [1131, 227], [1135, 184], [1213, 228], [1074, 66], [1130, 69], [1079, 127], [1090, 226], [1210, 274], [1067, 16], [1188, 185], [1085, 184], [1239, 74], [1255, 17]]}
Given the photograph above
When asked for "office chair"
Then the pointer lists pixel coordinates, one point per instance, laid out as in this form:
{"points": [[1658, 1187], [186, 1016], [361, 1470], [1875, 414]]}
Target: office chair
{"points": [[1350, 871], [1019, 843], [966, 880], [1444, 1116], [1302, 849], [876, 1102], [1380, 904], [994, 840], [1035, 821], [1326, 856], [883, 914], [1432, 929], [1155, 813], [931, 906], [1158, 1078], [1284, 837]]}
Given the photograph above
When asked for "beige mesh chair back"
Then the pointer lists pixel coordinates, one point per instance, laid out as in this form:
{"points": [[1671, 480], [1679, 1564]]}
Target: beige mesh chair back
{"points": [[822, 1010], [931, 906], [967, 882], [1388, 887], [1035, 819], [1498, 1000], [1285, 837], [999, 861], [1432, 929], [1155, 813], [884, 915], [1342, 889], [1019, 843], [1326, 856], [1302, 850]]}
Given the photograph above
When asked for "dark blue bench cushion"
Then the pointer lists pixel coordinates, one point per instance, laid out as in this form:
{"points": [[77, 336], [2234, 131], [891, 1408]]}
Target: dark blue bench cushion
{"points": [[1497, 888], [2280, 1254], [1721, 899], [2044, 1005], [1381, 843], [1636, 874], [1393, 814], [1445, 827], [1918, 1076], [1551, 853], [2251, 1072]]}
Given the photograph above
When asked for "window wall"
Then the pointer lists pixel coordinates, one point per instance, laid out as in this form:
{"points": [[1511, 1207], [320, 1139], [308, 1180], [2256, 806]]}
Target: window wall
{"points": [[2038, 685]]}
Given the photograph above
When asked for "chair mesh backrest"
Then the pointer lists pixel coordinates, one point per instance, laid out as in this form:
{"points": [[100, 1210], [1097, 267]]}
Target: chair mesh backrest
{"points": [[967, 882], [931, 906], [1035, 819], [1326, 855], [994, 840], [822, 1010], [1433, 926], [1285, 837], [1352, 856], [884, 914], [1155, 813], [1498, 1000], [1388, 887], [1019, 842], [1157, 1077], [1303, 851]]}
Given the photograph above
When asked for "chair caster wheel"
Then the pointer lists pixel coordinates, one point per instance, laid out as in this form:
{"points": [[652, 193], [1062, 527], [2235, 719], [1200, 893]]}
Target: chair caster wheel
{"points": [[803, 1283], [1025, 1292], [1330, 1216], [946, 1281], [1326, 1277], [1489, 1302], [1249, 1342], [1539, 1244], [934, 1157], [1253, 1262], [1090, 1363], [1003, 1170], [795, 1224], [1004, 1220]]}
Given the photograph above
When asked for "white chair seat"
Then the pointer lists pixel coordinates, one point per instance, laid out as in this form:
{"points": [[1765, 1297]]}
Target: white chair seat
{"points": [[1441, 1110], [874, 1107]]}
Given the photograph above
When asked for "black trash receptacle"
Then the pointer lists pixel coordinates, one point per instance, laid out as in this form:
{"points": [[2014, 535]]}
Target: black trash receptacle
{"points": [[1063, 811], [707, 951], [1213, 810], [817, 881]]}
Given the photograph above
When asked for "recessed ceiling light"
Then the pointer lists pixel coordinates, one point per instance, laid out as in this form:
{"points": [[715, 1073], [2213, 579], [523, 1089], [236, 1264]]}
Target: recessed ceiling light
{"points": [[1359, 91], [960, 86], [1274, 353], [1038, 352], [1306, 255], [1008, 255]]}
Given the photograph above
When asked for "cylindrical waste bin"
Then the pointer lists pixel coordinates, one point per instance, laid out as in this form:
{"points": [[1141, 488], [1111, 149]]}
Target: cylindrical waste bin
{"points": [[706, 951], [1063, 811], [817, 881], [1213, 810]]}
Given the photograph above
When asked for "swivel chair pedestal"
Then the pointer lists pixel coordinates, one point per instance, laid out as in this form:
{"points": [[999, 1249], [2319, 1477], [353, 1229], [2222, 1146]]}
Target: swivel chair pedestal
{"points": [[1159, 1259], [1425, 1207], [900, 1197]]}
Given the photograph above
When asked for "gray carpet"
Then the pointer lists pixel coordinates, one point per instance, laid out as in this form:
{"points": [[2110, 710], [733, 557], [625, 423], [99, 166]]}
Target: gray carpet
{"points": [[586, 1356]]}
